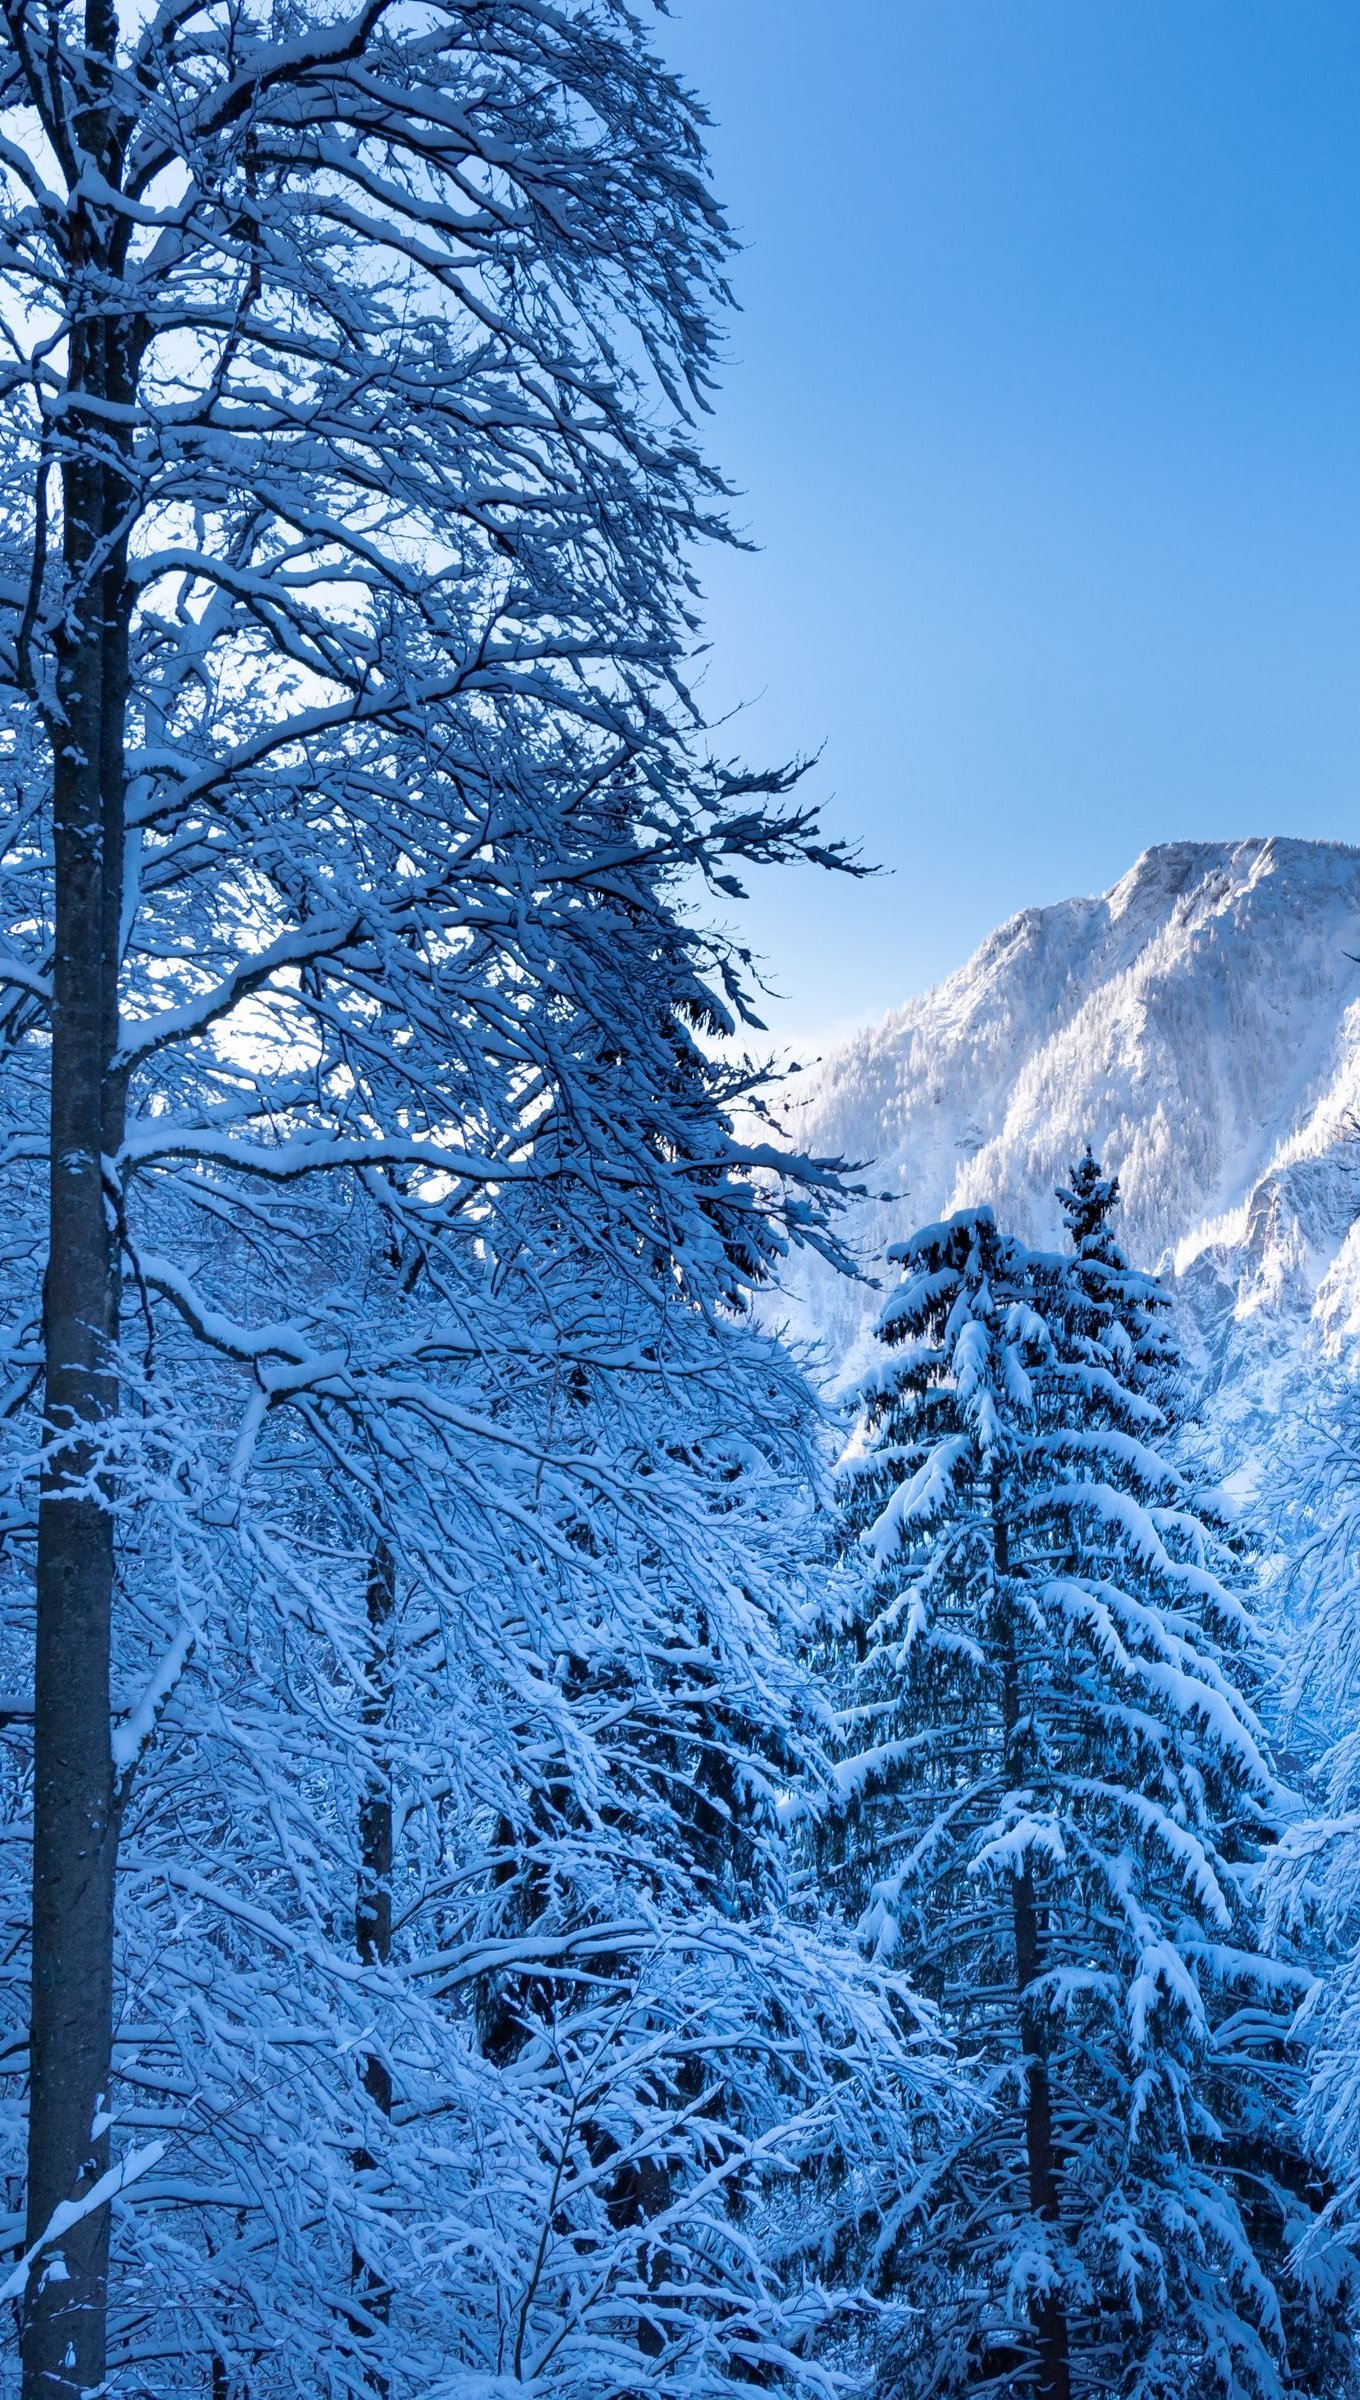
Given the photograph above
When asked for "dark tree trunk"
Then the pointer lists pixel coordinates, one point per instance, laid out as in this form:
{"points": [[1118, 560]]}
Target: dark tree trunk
{"points": [[1049, 2316], [75, 1828], [373, 1906], [74, 1831], [641, 2193]]}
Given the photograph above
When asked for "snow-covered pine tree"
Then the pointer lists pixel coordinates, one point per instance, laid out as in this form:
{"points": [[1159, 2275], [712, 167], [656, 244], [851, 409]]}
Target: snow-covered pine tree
{"points": [[411, 1508], [1119, 1312], [1313, 1876], [1270, 2134], [1055, 1794]]}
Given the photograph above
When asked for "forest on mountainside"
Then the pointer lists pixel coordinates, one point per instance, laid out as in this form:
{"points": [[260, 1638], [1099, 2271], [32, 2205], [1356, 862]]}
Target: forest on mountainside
{"points": [[538, 1854]]}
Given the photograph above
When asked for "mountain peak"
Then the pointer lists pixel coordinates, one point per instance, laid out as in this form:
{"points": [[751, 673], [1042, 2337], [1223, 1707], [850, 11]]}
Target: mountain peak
{"points": [[1199, 1023]]}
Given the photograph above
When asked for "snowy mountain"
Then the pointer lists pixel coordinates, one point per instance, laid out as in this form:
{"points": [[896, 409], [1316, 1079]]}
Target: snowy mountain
{"points": [[1200, 1025]]}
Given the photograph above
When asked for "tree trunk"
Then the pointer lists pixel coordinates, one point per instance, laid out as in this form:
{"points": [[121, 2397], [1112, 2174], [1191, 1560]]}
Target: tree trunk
{"points": [[373, 1906], [1048, 2315], [75, 1831]]}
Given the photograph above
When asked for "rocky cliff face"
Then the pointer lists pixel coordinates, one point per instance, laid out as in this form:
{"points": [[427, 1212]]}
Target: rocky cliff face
{"points": [[1200, 1026]]}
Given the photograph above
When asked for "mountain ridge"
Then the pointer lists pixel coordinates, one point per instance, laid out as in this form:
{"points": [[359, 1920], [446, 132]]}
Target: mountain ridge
{"points": [[1199, 1023]]}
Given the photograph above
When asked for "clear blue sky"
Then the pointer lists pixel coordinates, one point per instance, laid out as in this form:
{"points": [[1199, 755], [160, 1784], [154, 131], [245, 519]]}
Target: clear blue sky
{"points": [[1045, 408]]}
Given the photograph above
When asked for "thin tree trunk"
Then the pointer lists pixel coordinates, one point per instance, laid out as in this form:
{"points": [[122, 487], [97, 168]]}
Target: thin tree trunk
{"points": [[75, 1830], [1048, 2315], [74, 1833], [373, 1907]]}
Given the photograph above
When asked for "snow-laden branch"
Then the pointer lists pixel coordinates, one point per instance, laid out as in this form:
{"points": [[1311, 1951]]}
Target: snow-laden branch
{"points": [[119, 2178]]}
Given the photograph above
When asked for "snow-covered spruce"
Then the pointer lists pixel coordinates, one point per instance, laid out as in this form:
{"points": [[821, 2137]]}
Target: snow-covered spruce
{"points": [[1055, 1793], [430, 1503], [1313, 1877]]}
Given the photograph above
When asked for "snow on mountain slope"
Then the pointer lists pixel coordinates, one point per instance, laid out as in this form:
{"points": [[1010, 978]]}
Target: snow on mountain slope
{"points": [[1200, 1025]]}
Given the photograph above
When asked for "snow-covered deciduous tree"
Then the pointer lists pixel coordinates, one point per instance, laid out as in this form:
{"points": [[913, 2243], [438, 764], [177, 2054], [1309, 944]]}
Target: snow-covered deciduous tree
{"points": [[416, 1992], [1056, 1793]]}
